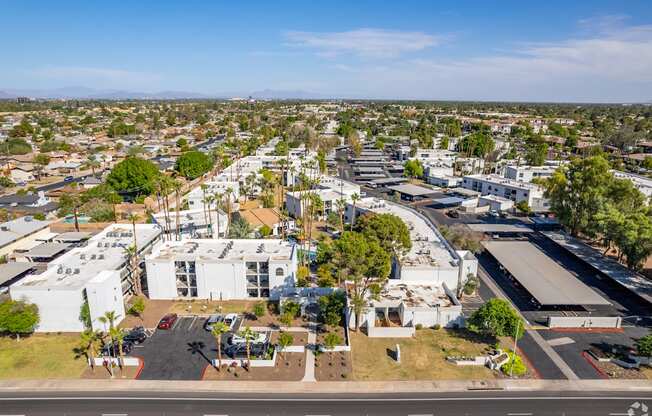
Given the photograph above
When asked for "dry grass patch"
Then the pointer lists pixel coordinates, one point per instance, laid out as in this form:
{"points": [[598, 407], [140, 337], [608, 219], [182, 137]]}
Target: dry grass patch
{"points": [[40, 356], [422, 357]]}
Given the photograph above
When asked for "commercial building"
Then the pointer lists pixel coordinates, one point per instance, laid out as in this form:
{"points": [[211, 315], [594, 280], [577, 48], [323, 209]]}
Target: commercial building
{"points": [[97, 273], [222, 269], [512, 189]]}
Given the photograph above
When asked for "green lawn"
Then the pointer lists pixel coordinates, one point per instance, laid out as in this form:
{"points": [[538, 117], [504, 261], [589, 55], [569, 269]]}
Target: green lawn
{"points": [[40, 356]]}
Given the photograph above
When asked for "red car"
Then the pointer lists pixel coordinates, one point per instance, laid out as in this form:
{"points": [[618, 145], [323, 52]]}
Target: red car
{"points": [[167, 321]]}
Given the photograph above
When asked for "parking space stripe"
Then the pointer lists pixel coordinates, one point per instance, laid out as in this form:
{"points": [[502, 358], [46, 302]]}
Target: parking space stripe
{"points": [[193, 322]]}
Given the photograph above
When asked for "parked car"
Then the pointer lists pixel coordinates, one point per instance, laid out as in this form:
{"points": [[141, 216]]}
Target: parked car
{"points": [[167, 321], [213, 319], [136, 335], [69, 179], [493, 213], [230, 319], [240, 350], [453, 213], [260, 337]]}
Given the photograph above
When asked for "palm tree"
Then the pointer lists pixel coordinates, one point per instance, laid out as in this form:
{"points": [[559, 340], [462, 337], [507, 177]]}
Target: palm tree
{"points": [[118, 336], [248, 336], [285, 339], [229, 191], [209, 202], [354, 198], [134, 258], [88, 345], [176, 185], [341, 207], [218, 330], [204, 187], [218, 203], [109, 317], [92, 163]]}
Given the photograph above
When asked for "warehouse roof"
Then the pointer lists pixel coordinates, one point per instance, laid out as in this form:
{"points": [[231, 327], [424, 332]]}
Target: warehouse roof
{"points": [[546, 280]]}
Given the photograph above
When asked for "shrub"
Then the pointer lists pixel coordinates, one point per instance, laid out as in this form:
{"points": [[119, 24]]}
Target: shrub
{"points": [[331, 340], [292, 308], [137, 308], [418, 327], [436, 327], [516, 362], [259, 309]]}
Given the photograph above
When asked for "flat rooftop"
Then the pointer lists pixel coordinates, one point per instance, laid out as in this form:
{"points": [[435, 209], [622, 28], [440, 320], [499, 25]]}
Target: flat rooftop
{"points": [[223, 250], [428, 247], [413, 296], [14, 230], [620, 274], [9, 271], [500, 228], [104, 252], [547, 281], [412, 190], [46, 250]]}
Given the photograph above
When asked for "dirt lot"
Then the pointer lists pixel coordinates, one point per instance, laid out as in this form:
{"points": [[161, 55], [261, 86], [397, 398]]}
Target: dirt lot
{"points": [[333, 366], [422, 357], [289, 367]]}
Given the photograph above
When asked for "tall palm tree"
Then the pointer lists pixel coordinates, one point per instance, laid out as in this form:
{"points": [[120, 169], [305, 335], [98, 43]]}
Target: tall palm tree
{"points": [[218, 330], [209, 202], [118, 336], [176, 185], [134, 259], [218, 204], [248, 336], [204, 188], [109, 317], [229, 191], [88, 345], [341, 207], [354, 198]]}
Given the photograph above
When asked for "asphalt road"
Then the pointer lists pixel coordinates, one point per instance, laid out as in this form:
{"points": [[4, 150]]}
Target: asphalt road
{"points": [[60, 184], [471, 403]]}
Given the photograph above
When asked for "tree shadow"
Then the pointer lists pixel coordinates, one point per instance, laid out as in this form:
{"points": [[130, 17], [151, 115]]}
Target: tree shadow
{"points": [[196, 348]]}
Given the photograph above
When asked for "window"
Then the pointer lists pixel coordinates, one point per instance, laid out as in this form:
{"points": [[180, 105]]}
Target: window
{"points": [[279, 271], [186, 279], [257, 279]]}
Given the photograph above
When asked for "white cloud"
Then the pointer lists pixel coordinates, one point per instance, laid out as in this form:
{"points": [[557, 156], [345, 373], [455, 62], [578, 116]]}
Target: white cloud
{"points": [[615, 65], [375, 43], [108, 77]]}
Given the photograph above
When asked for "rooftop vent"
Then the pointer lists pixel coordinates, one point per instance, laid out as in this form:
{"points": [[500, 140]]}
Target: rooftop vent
{"points": [[68, 270], [60, 270], [76, 271], [101, 257], [82, 256]]}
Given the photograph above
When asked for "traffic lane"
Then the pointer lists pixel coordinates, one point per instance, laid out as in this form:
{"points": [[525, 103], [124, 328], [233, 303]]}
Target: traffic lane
{"points": [[511, 406], [60, 184]]}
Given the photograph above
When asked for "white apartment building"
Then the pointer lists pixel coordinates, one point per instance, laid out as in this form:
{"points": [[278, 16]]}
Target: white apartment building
{"points": [[97, 273], [196, 196], [193, 223], [330, 190], [431, 260], [512, 189], [526, 173], [222, 269]]}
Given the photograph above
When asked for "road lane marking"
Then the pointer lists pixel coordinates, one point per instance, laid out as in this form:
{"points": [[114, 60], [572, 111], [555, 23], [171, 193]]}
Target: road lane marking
{"points": [[316, 399], [422, 414], [519, 414]]}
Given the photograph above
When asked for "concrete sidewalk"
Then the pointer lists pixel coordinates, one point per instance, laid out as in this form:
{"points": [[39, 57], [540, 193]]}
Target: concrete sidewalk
{"points": [[330, 387]]}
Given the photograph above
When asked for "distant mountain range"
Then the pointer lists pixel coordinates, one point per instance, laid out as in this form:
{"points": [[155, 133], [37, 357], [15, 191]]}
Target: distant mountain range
{"points": [[77, 92]]}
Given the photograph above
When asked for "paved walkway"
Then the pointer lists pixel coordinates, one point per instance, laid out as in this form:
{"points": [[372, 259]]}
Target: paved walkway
{"points": [[551, 353], [309, 375]]}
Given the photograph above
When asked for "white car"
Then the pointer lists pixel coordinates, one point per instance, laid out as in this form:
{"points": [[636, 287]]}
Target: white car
{"points": [[259, 338], [230, 319]]}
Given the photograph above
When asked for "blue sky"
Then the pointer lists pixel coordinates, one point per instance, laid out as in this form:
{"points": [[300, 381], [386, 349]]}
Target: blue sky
{"points": [[503, 50]]}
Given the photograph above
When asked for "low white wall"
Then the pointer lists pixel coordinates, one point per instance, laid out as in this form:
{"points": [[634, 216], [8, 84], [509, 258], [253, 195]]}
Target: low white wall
{"points": [[391, 332], [242, 362], [475, 361], [127, 361], [337, 348], [292, 348], [584, 322]]}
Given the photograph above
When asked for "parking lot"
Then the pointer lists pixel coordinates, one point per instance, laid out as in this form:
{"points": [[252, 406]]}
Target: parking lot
{"points": [[180, 353]]}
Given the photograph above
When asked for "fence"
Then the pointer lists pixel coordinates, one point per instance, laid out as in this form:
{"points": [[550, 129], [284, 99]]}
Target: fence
{"points": [[584, 321], [242, 362], [126, 361]]}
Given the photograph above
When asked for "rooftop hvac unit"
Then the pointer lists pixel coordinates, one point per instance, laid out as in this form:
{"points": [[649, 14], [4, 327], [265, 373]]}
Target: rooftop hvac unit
{"points": [[60, 270], [76, 271], [93, 257], [99, 244], [101, 257], [68, 270], [82, 256], [4, 228], [107, 245]]}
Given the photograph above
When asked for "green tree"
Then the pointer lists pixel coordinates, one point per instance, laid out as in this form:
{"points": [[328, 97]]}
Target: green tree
{"points": [[388, 230], [644, 346], [193, 164], [240, 228], [331, 308], [478, 144], [134, 176], [18, 317], [367, 266], [265, 231], [496, 318], [413, 169], [182, 142], [248, 336], [331, 340], [137, 307], [285, 339], [88, 343], [325, 276]]}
